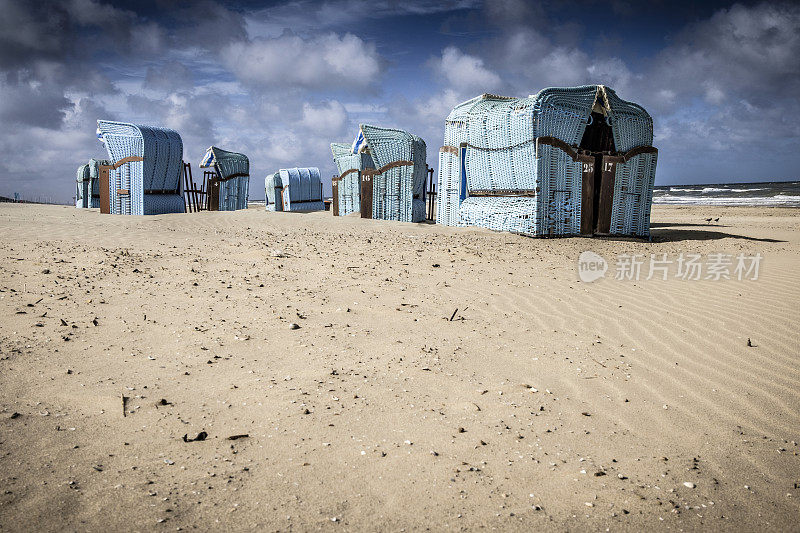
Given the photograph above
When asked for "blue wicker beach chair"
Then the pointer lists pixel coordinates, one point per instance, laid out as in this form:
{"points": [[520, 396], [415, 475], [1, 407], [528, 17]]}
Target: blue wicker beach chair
{"points": [[145, 171], [398, 181], [347, 185], [294, 189], [391, 169], [230, 189], [565, 161]]}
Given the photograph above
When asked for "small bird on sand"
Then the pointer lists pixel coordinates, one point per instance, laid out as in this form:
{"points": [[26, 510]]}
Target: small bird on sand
{"points": [[708, 220], [716, 219]]}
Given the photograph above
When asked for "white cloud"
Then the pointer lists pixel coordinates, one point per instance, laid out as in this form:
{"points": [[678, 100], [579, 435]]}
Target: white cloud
{"points": [[328, 118], [325, 61], [465, 72], [363, 107], [741, 51], [613, 72]]}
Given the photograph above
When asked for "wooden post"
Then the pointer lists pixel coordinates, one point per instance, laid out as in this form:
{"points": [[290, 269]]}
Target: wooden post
{"points": [[194, 198], [187, 191], [335, 188], [212, 191], [430, 196], [366, 193], [105, 190], [587, 193]]}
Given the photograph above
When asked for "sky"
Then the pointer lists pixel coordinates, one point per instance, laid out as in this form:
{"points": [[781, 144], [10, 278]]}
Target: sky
{"points": [[280, 81]]}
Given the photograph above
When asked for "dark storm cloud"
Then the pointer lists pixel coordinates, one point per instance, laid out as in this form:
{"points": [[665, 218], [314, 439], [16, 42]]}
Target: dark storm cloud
{"points": [[54, 30], [32, 104], [170, 77], [209, 24], [31, 31], [280, 81]]}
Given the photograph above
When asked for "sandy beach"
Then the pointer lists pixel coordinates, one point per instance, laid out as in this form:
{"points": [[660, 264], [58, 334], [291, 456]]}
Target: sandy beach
{"points": [[384, 376]]}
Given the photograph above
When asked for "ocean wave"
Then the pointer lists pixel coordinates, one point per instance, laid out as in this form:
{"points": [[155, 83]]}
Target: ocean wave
{"points": [[706, 190], [784, 200]]}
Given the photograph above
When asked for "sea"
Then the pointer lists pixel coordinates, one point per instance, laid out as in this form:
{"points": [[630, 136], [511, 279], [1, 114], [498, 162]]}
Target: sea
{"points": [[765, 194]]}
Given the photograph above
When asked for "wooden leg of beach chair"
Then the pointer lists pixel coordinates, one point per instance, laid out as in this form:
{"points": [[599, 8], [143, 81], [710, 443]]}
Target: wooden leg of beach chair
{"points": [[187, 192], [206, 185], [431, 197], [193, 195], [202, 195]]}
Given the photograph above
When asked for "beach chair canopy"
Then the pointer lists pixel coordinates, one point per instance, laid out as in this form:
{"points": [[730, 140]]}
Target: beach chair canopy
{"points": [[150, 159], [229, 164], [346, 160], [231, 188], [94, 167], [560, 112], [83, 173]]}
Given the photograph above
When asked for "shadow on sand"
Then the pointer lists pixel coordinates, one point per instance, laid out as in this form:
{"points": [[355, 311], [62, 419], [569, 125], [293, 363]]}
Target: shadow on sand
{"points": [[666, 232]]}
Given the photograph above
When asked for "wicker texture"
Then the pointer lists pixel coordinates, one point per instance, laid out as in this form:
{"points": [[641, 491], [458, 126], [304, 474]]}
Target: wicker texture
{"points": [[82, 190], [349, 186], [397, 192], [559, 195], [94, 179], [88, 179], [633, 195], [227, 163], [491, 145], [305, 189], [233, 171], [234, 193], [272, 186], [449, 191], [517, 215], [350, 193], [159, 173]]}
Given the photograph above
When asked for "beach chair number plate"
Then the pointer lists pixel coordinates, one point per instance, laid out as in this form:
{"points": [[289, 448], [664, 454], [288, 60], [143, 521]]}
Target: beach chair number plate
{"points": [[366, 195]]}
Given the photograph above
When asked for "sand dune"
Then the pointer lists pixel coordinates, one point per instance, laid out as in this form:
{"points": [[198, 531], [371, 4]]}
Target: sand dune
{"points": [[545, 403]]}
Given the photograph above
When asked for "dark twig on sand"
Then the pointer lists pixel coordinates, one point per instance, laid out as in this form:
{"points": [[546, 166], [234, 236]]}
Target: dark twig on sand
{"points": [[124, 405], [454, 314], [200, 437]]}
